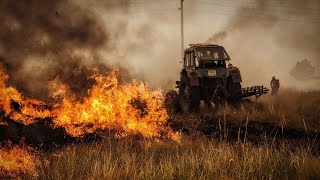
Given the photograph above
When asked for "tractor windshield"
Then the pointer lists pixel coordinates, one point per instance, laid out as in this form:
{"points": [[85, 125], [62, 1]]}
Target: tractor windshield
{"points": [[212, 53], [208, 64]]}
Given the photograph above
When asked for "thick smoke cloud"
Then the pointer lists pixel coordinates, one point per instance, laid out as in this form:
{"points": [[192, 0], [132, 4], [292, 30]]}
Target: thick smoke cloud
{"points": [[145, 38], [267, 38], [42, 38]]}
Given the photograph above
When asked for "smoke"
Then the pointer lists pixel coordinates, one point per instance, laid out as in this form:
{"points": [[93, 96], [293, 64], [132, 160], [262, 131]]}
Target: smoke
{"points": [[42, 39], [218, 37], [266, 38], [39, 39]]}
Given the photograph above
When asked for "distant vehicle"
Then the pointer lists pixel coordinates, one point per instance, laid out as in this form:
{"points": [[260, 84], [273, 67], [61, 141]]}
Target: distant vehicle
{"points": [[206, 76]]}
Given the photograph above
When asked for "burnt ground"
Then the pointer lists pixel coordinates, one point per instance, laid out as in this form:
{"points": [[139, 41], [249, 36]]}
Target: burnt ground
{"points": [[40, 135], [252, 131], [43, 136]]}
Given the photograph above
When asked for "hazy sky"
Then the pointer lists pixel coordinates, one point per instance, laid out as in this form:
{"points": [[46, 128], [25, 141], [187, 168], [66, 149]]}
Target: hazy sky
{"points": [[42, 39], [261, 38]]}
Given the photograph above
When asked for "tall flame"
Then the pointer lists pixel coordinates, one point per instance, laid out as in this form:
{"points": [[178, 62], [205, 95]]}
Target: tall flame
{"points": [[129, 108]]}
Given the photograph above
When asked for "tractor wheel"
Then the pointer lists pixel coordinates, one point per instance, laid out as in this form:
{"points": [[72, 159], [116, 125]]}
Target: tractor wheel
{"points": [[189, 98], [172, 102], [234, 89]]}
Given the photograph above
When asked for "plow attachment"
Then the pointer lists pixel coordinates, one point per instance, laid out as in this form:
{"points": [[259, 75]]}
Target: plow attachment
{"points": [[254, 91]]}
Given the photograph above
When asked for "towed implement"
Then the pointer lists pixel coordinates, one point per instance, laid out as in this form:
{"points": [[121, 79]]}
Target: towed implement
{"points": [[205, 76]]}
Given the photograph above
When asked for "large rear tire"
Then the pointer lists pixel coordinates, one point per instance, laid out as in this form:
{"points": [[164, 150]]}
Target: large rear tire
{"points": [[234, 89], [189, 98]]}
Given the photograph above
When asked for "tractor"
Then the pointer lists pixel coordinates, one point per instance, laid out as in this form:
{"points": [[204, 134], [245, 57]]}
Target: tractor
{"points": [[208, 76]]}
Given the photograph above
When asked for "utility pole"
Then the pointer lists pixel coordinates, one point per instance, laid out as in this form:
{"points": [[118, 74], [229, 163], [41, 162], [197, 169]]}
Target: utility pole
{"points": [[182, 35]]}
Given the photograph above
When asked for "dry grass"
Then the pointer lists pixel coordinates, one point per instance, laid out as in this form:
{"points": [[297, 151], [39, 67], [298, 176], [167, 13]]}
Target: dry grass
{"points": [[193, 158], [199, 157], [290, 109]]}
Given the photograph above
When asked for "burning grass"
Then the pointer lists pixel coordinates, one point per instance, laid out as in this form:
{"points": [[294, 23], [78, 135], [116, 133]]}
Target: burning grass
{"points": [[146, 147], [128, 108], [18, 161], [131, 108]]}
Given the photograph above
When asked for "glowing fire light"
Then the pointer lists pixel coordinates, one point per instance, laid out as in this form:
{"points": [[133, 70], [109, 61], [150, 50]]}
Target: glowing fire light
{"points": [[17, 107], [129, 109], [17, 161]]}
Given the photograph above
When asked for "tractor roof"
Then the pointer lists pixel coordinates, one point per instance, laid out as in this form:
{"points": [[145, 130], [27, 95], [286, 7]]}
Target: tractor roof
{"points": [[199, 46], [204, 45]]}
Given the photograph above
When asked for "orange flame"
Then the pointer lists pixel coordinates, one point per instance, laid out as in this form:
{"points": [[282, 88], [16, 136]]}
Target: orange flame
{"points": [[25, 110], [128, 109], [17, 161], [131, 108]]}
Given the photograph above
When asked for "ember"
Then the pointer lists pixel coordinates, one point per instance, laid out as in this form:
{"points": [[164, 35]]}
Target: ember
{"points": [[15, 161]]}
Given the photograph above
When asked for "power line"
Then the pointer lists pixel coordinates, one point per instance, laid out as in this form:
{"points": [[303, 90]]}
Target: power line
{"points": [[240, 3], [269, 14], [139, 2], [315, 16], [262, 16], [254, 7]]}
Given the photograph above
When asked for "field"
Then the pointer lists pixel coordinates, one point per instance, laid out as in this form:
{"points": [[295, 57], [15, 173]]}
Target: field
{"points": [[83, 89], [192, 158], [240, 148]]}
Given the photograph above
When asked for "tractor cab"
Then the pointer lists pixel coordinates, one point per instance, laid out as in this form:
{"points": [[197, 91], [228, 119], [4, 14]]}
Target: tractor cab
{"points": [[205, 56]]}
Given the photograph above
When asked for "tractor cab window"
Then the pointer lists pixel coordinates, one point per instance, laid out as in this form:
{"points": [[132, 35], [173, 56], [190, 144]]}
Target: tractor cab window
{"points": [[221, 63], [187, 59], [207, 64], [212, 64], [196, 61], [212, 53], [192, 60]]}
